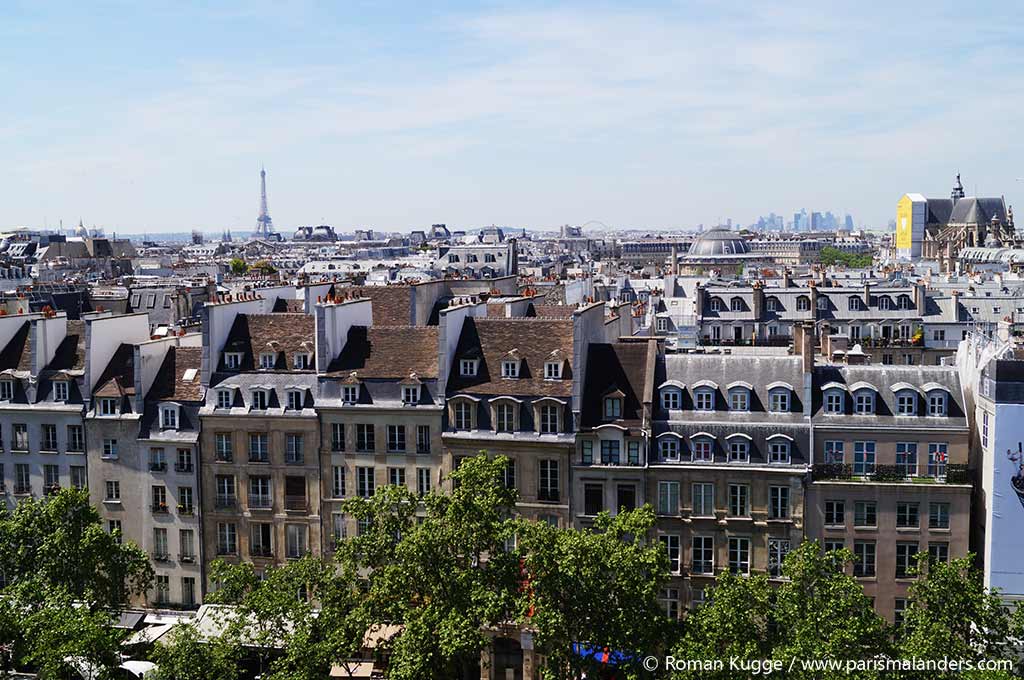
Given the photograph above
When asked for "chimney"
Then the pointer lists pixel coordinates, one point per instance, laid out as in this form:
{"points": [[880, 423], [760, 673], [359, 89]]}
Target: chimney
{"points": [[673, 267], [787, 278], [758, 301], [867, 294], [803, 343], [920, 297]]}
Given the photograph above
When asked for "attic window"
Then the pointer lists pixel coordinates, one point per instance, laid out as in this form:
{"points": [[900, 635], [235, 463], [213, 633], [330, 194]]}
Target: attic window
{"points": [[301, 361], [6, 390], [60, 390], [510, 368], [190, 374], [169, 417], [612, 407], [294, 400], [267, 360], [489, 257], [224, 399], [232, 360], [350, 394], [468, 367], [410, 395], [259, 400], [553, 370], [108, 407]]}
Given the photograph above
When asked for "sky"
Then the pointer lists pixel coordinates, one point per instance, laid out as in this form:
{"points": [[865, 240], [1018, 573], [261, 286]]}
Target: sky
{"points": [[149, 116]]}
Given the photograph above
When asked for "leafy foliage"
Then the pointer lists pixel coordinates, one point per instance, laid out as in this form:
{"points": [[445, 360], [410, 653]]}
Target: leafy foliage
{"points": [[189, 657], [238, 266], [833, 256]]}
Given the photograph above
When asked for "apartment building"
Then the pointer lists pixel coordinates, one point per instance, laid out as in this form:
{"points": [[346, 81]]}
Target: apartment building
{"points": [[259, 452], [731, 447], [890, 471]]}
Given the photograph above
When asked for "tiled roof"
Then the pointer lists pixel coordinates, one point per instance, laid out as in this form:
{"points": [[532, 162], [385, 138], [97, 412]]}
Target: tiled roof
{"points": [[392, 305], [118, 379], [554, 311], [70, 354], [170, 383], [388, 352], [534, 341], [254, 334], [17, 354], [284, 305], [612, 367]]}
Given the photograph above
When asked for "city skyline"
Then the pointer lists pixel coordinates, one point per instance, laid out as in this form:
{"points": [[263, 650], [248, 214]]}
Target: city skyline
{"points": [[398, 116]]}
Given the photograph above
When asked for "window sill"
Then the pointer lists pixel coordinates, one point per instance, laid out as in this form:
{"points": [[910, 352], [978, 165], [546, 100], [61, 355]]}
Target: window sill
{"points": [[112, 501], [866, 528], [908, 530]]}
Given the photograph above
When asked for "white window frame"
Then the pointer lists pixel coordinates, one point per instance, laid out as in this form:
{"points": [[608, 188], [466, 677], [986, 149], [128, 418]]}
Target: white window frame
{"points": [[778, 400], [232, 360], [510, 368], [267, 360], [224, 398], [704, 399], [295, 400], [410, 395], [350, 394], [261, 402], [468, 367], [671, 399], [61, 390], [668, 449], [6, 390], [169, 417], [938, 404], [835, 402], [553, 370]]}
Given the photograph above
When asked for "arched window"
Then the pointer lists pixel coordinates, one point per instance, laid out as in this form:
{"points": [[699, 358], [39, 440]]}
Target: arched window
{"points": [[803, 304], [736, 304]]}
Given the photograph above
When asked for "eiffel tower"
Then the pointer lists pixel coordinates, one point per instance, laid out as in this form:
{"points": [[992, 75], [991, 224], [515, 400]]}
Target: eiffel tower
{"points": [[264, 225]]}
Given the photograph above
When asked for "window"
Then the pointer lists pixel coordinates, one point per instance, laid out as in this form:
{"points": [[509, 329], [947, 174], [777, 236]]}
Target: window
{"points": [[593, 498], [864, 403], [702, 450], [633, 452], [159, 494], [467, 367], [772, 304], [938, 552], [157, 460], [984, 430], [76, 438], [365, 483], [739, 450], [365, 440], [668, 449], [736, 304], [863, 458], [778, 451], [739, 555], [668, 498], [610, 451], [20, 437], [224, 399], [865, 514], [60, 390], [301, 361], [612, 408], [160, 544], [938, 516], [22, 482], [739, 400], [423, 439], [295, 541], [293, 448], [396, 476], [163, 585], [338, 481], [704, 400], [803, 304], [510, 369], [463, 415], [51, 478], [107, 407], [778, 401], [778, 502], [835, 513], [259, 451], [185, 502], [663, 324], [509, 474], [671, 399], [267, 360], [113, 487], [832, 546], [671, 543], [906, 458], [49, 439], [232, 360], [548, 487], [777, 550], [834, 452], [423, 481], [833, 402], [184, 463], [669, 600], [114, 529], [905, 559], [739, 500], [78, 479], [937, 459], [937, 403], [225, 487], [169, 417], [823, 303], [855, 304], [716, 304], [227, 538], [6, 390], [187, 545], [906, 403], [504, 417], [549, 419], [907, 515], [587, 452], [552, 370], [863, 558], [703, 499], [109, 448], [259, 400], [294, 400], [702, 554], [396, 438], [350, 394], [222, 447]]}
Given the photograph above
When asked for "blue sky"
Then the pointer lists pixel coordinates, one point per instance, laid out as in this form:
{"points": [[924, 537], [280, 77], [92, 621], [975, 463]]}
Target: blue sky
{"points": [[156, 116]]}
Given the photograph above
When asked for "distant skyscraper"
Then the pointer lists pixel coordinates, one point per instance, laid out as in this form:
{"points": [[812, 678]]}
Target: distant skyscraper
{"points": [[264, 225], [849, 222]]}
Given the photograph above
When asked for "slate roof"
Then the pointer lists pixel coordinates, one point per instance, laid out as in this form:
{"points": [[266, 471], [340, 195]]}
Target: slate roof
{"points": [[939, 210], [70, 354], [118, 378], [170, 384], [534, 340], [978, 211], [17, 355], [388, 352], [610, 367], [253, 334]]}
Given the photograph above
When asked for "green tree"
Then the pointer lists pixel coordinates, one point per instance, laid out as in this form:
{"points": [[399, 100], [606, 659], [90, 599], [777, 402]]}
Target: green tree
{"points": [[596, 587], [833, 256], [186, 656], [263, 267], [238, 266]]}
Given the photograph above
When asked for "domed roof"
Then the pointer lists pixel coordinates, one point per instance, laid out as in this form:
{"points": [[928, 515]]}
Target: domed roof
{"points": [[718, 242]]}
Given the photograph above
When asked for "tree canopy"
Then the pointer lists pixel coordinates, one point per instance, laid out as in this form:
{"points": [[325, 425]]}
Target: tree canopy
{"points": [[833, 256]]}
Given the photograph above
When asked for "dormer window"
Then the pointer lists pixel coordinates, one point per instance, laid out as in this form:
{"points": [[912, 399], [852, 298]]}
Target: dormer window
{"points": [[834, 401], [716, 305], [169, 417], [553, 370], [906, 403], [295, 400], [467, 367], [350, 393], [267, 360], [855, 304], [937, 403], [259, 400], [612, 408], [510, 368], [232, 360], [739, 399], [301, 361], [224, 399], [772, 304], [704, 400], [903, 302], [884, 303], [60, 390], [6, 390], [778, 401], [410, 395], [462, 415], [668, 449], [864, 403], [736, 304], [803, 304], [823, 303], [107, 406], [671, 399]]}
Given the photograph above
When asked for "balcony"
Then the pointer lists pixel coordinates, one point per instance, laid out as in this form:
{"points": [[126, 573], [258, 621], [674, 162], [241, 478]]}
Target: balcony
{"points": [[160, 509], [158, 467], [225, 502], [295, 503], [161, 556], [186, 510], [187, 558], [260, 502], [183, 467], [954, 474]]}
